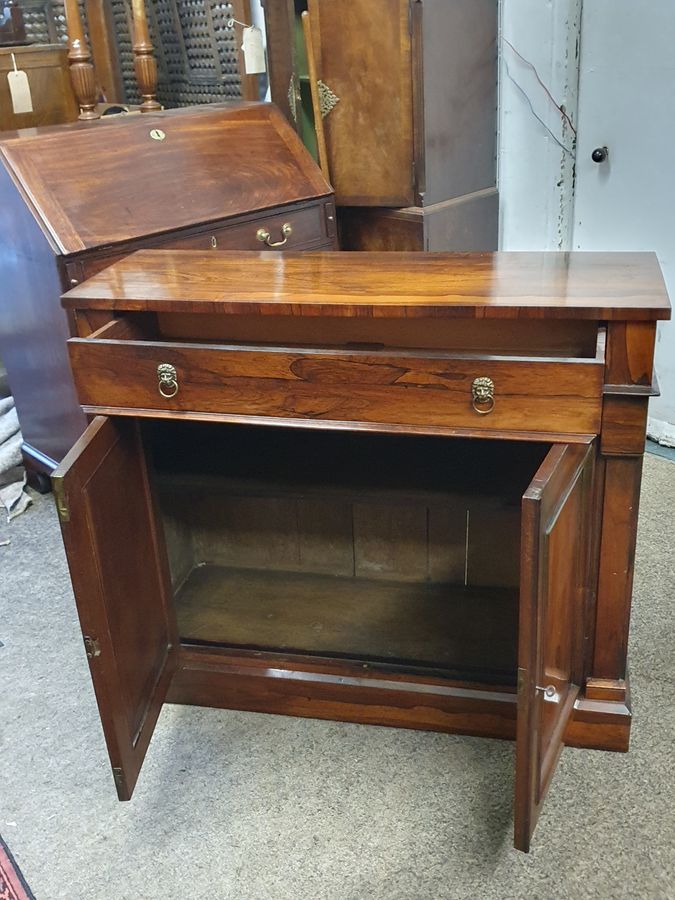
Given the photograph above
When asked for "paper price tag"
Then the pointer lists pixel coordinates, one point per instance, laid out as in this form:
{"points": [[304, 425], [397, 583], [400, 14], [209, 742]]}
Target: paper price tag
{"points": [[19, 90], [254, 52]]}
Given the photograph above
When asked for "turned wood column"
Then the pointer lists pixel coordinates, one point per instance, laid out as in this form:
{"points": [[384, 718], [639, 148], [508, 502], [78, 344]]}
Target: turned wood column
{"points": [[145, 64], [82, 73]]}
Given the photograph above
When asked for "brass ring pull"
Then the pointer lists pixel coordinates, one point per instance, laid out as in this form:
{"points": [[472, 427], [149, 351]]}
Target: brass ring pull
{"points": [[168, 380], [264, 236], [483, 395]]}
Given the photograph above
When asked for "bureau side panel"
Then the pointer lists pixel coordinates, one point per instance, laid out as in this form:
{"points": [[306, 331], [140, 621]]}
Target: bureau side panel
{"points": [[33, 332]]}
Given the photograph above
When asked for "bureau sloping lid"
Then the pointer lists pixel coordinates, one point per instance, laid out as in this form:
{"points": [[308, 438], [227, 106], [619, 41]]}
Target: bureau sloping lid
{"points": [[111, 181]]}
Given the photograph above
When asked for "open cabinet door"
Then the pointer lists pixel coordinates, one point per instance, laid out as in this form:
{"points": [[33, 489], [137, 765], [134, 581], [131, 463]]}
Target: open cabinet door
{"points": [[554, 562], [119, 572]]}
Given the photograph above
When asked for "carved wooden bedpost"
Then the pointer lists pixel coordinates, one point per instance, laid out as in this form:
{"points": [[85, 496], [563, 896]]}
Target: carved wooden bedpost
{"points": [[81, 67], [145, 64]]}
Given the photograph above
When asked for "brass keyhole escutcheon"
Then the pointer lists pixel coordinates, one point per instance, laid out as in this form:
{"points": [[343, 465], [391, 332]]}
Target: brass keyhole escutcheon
{"points": [[168, 380], [214, 242], [157, 134], [483, 395]]}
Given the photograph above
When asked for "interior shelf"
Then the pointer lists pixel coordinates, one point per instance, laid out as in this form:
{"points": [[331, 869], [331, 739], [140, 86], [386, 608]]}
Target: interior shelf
{"points": [[437, 626]]}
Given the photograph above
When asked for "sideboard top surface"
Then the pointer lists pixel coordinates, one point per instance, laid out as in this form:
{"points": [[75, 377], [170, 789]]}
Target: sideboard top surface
{"points": [[606, 286], [120, 180]]}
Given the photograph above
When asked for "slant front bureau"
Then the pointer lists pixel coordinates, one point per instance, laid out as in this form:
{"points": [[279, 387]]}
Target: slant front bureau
{"points": [[75, 198], [397, 489]]}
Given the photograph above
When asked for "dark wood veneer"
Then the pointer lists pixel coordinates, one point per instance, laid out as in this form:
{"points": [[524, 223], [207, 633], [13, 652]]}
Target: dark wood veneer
{"points": [[333, 460]]}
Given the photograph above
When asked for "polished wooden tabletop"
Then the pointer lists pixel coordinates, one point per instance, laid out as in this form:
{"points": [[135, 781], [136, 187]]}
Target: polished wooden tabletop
{"points": [[607, 286]]}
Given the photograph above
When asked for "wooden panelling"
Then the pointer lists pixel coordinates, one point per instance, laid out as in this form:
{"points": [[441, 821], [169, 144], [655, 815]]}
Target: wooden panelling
{"points": [[617, 558], [365, 59], [624, 423], [553, 578], [390, 541], [342, 692], [462, 224], [630, 353], [120, 577], [46, 67]]}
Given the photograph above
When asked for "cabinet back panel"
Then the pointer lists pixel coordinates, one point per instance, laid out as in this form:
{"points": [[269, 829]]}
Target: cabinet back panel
{"points": [[449, 538], [415, 510]]}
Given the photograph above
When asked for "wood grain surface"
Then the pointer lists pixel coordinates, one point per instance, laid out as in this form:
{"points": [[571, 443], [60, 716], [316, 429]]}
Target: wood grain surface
{"points": [[408, 387], [128, 194], [612, 286]]}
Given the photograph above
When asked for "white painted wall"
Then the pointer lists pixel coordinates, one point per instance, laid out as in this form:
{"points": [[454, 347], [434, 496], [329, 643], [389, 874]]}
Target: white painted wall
{"points": [[535, 173], [627, 101], [619, 91]]}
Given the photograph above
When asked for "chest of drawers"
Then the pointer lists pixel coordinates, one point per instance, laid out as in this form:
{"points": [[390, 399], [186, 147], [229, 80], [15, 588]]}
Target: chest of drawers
{"points": [[396, 489], [74, 199]]}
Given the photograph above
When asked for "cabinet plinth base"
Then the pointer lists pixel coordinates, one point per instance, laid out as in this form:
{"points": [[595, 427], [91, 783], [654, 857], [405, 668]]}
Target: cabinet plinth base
{"points": [[329, 689], [39, 468]]}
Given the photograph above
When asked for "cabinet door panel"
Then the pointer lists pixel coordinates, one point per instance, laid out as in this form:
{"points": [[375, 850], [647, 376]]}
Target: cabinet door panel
{"points": [[120, 578], [554, 574], [364, 57]]}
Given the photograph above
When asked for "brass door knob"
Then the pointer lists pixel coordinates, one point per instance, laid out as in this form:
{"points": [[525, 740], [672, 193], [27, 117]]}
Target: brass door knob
{"points": [[168, 380], [483, 395], [263, 235]]}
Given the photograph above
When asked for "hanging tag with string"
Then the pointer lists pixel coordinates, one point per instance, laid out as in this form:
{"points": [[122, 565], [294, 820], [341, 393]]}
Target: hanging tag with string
{"points": [[252, 47], [19, 90]]}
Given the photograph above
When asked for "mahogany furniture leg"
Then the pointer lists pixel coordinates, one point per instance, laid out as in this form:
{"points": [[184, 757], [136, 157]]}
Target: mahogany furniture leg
{"points": [[145, 64], [81, 67]]}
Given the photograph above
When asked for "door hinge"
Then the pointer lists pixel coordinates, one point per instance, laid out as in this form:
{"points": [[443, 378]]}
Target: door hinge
{"points": [[62, 507], [413, 174], [410, 3], [92, 646], [522, 680]]}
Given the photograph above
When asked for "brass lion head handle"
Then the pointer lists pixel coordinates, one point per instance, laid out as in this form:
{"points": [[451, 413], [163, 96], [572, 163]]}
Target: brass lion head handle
{"points": [[483, 395], [168, 380]]}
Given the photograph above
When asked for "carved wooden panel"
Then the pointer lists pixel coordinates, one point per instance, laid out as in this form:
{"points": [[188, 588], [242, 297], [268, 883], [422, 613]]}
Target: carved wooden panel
{"points": [[45, 21], [198, 56]]}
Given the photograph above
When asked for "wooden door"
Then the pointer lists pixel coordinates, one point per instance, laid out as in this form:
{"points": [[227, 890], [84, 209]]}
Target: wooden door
{"points": [[554, 575], [364, 61], [120, 578]]}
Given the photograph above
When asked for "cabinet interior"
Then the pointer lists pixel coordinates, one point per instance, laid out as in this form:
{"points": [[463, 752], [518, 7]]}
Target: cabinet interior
{"points": [[529, 338], [396, 551]]}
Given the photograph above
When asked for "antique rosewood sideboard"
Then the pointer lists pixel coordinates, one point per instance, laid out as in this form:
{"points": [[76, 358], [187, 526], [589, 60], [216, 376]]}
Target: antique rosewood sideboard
{"points": [[75, 198], [397, 489]]}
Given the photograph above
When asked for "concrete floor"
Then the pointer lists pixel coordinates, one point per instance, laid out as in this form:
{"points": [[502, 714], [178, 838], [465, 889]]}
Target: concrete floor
{"points": [[238, 805]]}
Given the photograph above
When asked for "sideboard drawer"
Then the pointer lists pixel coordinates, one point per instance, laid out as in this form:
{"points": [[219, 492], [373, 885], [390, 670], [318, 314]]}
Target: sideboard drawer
{"points": [[117, 369], [289, 230]]}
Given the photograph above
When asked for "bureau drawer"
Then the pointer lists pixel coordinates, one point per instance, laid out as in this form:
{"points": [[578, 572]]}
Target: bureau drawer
{"points": [[289, 230], [118, 369], [307, 227]]}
